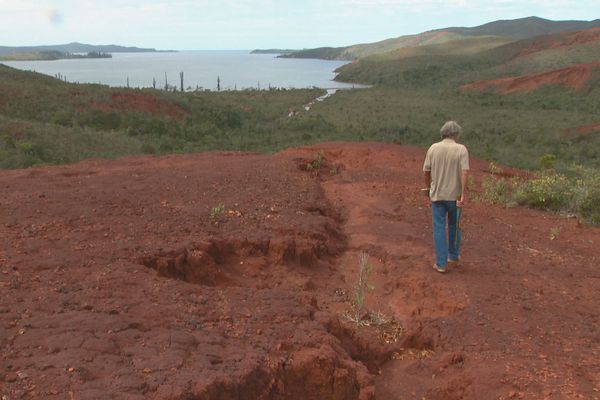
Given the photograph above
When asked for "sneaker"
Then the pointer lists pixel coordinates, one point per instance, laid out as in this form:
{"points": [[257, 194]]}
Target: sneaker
{"points": [[454, 261], [438, 268]]}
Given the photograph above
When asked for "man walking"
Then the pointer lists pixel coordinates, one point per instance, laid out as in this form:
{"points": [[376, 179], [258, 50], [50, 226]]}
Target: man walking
{"points": [[445, 168]]}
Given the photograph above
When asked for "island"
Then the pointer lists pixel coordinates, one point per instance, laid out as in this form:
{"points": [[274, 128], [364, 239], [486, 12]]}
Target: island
{"points": [[51, 55], [74, 50], [273, 51]]}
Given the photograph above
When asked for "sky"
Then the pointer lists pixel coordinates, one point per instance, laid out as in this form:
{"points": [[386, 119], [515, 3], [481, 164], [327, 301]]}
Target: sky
{"points": [[252, 24]]}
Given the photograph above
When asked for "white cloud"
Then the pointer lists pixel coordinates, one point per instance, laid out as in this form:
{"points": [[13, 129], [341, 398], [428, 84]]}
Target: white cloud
{"points": [[255, 23]]}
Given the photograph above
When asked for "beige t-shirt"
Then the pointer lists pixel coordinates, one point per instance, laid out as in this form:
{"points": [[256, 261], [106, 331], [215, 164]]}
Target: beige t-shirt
{"points": [[446, 160]]}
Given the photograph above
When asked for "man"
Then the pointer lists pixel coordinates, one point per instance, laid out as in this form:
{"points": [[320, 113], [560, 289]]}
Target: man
{"points": [[445, 168]]}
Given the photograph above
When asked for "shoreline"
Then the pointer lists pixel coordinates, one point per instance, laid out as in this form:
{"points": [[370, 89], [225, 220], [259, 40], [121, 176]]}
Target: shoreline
{"points": [[238, 70]]}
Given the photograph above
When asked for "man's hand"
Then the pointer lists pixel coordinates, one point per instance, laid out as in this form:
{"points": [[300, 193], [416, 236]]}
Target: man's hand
{"points": [[463, 197]]}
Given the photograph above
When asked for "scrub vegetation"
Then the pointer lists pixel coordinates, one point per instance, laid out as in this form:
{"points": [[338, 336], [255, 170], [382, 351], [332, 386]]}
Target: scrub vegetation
{"points": [[518, 100]]}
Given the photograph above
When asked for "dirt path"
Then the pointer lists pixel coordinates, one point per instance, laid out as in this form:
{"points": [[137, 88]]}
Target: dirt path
{"points": [[516, 319], [122, 279]]}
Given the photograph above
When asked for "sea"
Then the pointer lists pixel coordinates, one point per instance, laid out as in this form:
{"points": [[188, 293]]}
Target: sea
{"points": [[202, 70]]}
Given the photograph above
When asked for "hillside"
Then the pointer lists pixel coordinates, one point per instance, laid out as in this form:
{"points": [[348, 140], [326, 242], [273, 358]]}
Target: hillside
{"points": [[484, 57], [513, 29], [364, 50], [525, 27], [149, 293], [575, 77], [44, 120]]}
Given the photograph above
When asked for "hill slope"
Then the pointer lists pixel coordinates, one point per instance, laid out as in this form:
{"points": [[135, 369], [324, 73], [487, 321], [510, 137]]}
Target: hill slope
{"points": [[515, 29], [146, 295], [525, 27]]}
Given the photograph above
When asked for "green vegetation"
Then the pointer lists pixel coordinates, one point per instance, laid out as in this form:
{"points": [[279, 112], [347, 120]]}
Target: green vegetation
{"points": [[317, 162], [575, 192], [217, 211], [66, 122], [415, 89], [510, 30]]}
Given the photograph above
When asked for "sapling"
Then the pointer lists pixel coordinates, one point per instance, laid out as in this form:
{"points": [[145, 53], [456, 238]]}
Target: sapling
{"points": [[362, 285]]}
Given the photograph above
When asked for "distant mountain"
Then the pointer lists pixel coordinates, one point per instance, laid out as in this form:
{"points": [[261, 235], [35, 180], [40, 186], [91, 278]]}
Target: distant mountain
{"points": [[525, 27], [273, 51], [74, 48], [517, 29]]}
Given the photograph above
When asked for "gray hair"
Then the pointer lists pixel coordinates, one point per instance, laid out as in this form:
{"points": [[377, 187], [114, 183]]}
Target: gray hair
{"points": [[450, 130]]}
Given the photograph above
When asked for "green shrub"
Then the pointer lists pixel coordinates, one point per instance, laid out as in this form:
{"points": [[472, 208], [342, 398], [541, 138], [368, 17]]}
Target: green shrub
{"points": [[495, 191], [547, 161], [217, 211], [589, 209], [576, 191]]}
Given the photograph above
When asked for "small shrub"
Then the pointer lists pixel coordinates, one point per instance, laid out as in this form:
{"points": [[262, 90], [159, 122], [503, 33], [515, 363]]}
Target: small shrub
{"points": [[547, 161], [334, 169], [495, 169], [317, 162], [495, 191], [217, 211], [27, 148], [148, 148]]}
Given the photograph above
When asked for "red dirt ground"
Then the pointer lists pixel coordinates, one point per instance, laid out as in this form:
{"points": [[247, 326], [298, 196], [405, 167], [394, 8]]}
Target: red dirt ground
{"points": [[564, 41], [574, 77], [141, 102], [116, 283]]}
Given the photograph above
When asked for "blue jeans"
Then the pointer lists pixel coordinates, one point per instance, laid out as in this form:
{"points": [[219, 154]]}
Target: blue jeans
{"points": [[446, 243]]}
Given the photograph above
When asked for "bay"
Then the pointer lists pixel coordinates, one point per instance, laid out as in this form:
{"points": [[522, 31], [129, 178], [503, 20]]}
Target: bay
{"points": [[236, 69]]}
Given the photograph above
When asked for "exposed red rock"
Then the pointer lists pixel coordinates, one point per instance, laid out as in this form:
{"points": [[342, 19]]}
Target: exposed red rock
{"points": [[589, 128], [574, 77], [116, 282]]}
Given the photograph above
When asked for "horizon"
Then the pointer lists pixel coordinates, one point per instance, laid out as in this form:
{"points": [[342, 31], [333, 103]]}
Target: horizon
{"points": [[258, 24]]}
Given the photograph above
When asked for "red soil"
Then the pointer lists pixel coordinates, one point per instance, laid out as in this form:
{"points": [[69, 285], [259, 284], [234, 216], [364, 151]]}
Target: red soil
{"points": [[588, 128], [141, 102], [564, 41], [574, 77], [249, 304]]}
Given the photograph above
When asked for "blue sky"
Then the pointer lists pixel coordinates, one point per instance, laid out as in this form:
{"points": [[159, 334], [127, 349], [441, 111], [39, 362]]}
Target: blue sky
{"points": [[249, 24]]}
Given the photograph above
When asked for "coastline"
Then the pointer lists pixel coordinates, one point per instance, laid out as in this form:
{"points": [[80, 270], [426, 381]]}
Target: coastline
{"points": [[236, 70]]}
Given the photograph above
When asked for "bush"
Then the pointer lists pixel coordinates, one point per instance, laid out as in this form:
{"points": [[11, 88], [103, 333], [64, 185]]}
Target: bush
{"points": [[550, 191], [495, 191], [576, 191]]}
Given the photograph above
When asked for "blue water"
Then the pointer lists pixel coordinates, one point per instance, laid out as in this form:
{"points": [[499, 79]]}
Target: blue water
{"points": [[236, 70]]}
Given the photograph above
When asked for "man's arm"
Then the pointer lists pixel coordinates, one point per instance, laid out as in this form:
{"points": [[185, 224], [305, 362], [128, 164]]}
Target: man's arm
{"points": [[427, 176], [463, 180]]}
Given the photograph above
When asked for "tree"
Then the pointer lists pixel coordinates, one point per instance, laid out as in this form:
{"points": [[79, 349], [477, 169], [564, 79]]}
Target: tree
{"points": [[181, 78], [166, 82], [218, 83], [154, 83]]}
